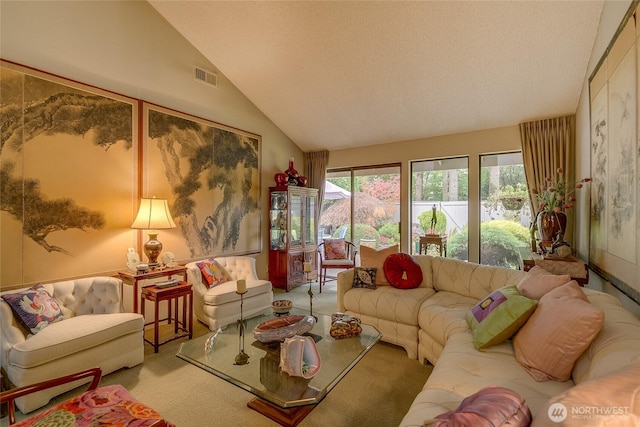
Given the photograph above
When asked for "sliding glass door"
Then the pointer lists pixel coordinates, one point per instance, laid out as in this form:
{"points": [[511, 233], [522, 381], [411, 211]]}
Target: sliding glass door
{"points": [[362, 205], [440, 205], [505, 209]]}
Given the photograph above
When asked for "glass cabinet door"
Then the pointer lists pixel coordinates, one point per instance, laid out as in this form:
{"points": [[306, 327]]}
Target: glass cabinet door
{"points": [[278, 220], [310, 219], [295, 221]]}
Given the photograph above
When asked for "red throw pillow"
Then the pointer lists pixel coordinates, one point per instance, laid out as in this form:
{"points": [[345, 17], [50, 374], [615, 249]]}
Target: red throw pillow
{"points": [[402, 271]]}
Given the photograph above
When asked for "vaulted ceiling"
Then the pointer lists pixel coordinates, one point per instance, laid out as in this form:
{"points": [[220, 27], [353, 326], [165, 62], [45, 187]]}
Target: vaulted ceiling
{"points": [[335, 75]]}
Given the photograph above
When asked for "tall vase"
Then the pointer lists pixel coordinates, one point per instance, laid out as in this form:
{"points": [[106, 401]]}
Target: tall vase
{"points": [[550, 223]]}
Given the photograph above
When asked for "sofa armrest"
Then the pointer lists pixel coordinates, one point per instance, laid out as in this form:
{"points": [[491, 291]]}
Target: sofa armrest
{"points": [[345, 282]]}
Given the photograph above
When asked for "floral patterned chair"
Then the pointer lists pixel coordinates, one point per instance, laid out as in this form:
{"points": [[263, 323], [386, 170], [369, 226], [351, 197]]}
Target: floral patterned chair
{"points": [[109, 405]]}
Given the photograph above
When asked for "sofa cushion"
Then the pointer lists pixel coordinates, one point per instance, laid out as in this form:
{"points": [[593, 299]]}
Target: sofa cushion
{"points": [[402, 271], [73, 335], [489, 407], [558, 332], [369, 257], [472, 280], [498, 316], [617, 344], [212, 272], [462, 370], [35, 308], [334, 249], [387, 303], [226, 291], [539, 281], [587, 405], [364, 277], [443, 315]]}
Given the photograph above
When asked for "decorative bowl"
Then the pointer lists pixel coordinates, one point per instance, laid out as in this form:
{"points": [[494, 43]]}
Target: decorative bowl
{"points": [[283, 327], [281, 306]]}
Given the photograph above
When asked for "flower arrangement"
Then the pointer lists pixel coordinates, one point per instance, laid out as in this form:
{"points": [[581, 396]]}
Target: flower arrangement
{"points": [[558, 195]]}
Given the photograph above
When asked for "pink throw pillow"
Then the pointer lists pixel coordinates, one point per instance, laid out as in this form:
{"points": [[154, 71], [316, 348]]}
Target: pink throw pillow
{"points": [[335, 249], [539, 281], [558, 332], [489, 407]]}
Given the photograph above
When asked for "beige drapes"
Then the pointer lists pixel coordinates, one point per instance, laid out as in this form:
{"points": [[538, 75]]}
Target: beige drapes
{"points": [[546, 146], [315, 168]]}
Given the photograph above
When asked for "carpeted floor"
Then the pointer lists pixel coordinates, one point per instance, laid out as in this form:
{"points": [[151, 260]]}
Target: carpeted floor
{"points": [[377, 392]]}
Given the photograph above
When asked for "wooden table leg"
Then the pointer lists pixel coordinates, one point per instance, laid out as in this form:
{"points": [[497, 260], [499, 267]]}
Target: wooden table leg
{"points": [[156, 327]]}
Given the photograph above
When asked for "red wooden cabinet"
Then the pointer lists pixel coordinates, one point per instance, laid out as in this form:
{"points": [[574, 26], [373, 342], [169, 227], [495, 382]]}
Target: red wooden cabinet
{"points": [[293, 235]]}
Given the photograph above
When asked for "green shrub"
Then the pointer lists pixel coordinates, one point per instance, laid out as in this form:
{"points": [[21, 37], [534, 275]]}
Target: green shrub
{"points": [[425, 221], [389, 234], [499, 243]]}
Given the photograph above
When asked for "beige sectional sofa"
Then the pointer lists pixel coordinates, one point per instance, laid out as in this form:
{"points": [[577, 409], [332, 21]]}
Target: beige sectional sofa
{"points": [[429, 322], [94, 331]]}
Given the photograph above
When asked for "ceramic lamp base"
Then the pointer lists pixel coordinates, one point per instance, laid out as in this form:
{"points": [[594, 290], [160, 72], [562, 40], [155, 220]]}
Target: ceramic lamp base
{"points": [[152, 249]]}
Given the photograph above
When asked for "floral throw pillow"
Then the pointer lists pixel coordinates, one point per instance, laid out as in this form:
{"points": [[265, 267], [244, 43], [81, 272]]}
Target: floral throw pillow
{"points": [[212, 272], [364, 277], [334, 249], [35, 308]]}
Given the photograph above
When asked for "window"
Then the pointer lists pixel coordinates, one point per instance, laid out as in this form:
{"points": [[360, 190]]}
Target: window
{"points": [[505, 211], [362, 205], [443, 184]]}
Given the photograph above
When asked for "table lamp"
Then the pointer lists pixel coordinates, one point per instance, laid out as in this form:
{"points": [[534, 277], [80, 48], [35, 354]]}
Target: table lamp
{"points": [[153, 214]]}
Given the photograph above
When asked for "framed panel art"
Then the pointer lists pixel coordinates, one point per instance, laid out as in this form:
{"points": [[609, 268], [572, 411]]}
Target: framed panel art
{"points": [[210, 174], [613, 87], [68, 177]]}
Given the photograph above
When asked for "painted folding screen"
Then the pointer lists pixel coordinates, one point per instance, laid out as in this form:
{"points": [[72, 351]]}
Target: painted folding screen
{"points": [[68, 177], [210, 174]]}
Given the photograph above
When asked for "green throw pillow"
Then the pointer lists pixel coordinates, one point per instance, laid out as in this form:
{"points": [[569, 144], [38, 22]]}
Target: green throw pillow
{"points": [[499, 316]]}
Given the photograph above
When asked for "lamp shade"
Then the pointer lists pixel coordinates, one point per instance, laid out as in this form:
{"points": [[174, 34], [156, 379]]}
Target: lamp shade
{"points": [[153, 214]]}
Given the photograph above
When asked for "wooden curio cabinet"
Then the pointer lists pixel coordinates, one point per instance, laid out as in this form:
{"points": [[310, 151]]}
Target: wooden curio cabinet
{"points": [[293, 235]]}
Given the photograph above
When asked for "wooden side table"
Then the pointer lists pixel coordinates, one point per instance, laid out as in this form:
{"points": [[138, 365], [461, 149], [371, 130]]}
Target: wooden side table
{"points": [[131, 278], [572, 266], [183, 327], [439, 241]]}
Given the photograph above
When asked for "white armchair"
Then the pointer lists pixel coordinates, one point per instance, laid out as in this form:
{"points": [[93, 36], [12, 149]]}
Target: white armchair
{"points": [[93, 332], [219, 305]]}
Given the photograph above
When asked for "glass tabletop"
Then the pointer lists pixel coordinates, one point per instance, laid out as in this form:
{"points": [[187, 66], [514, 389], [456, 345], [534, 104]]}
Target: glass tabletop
{"points": [[262, 375]]}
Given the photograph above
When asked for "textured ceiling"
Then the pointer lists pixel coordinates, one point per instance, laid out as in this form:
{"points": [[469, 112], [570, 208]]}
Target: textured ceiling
{"points": [[334, 75]]}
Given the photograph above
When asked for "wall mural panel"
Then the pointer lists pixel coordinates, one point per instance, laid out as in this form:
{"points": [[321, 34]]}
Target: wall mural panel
{"points": [[68, 177], [622, 160], [614, 236], [210, 174]]}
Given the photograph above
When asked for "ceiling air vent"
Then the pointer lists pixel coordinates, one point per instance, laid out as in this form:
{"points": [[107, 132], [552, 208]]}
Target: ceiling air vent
{"points": [[207, 77]]}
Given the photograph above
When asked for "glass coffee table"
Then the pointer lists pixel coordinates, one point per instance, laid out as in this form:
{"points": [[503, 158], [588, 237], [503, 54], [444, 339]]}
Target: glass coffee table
{"points": [[283, 398]]}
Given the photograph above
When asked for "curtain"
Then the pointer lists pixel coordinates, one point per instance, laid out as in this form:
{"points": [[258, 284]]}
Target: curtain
{"points": [[546, 146], [315, 168]]}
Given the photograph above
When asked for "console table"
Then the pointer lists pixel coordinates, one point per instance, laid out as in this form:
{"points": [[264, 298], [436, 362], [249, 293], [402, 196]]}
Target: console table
{"points": [[572, 266]]}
